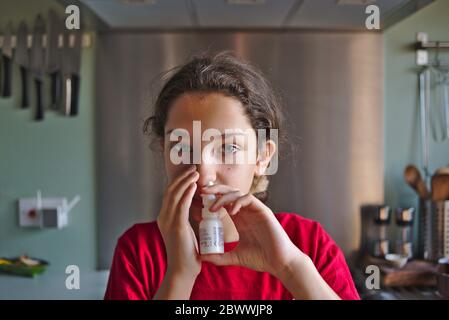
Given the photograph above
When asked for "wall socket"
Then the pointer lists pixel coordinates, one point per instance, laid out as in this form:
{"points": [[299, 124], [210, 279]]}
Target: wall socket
{"points": [[50, 215]]}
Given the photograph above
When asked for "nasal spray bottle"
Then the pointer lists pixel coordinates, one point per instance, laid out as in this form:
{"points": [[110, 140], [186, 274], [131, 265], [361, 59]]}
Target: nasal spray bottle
{"points": [[211, 227]]}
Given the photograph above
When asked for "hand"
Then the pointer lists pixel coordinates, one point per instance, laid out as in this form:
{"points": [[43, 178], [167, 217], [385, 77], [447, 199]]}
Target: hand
{"points": [[173, 222], [263, 243]]}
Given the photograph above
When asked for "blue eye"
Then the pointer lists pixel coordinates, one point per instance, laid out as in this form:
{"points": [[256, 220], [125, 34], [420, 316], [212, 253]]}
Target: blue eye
{"points": [[230, 148], [181, 148]]}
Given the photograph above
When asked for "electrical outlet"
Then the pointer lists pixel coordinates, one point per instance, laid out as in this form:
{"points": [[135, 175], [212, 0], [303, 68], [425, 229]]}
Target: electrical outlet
{"points": [[30, 216]]}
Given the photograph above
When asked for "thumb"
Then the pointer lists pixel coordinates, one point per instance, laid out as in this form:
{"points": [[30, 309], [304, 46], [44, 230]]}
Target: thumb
{"points": [[235, 216], [224, 259]]}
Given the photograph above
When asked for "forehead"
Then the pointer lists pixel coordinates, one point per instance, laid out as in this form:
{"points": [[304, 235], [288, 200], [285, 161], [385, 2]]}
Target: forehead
{"points": [[214, 110]]}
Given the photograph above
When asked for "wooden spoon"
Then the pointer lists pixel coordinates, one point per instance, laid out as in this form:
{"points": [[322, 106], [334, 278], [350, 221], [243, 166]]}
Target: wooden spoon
{"points": [[414, 180], [440, 187], [443, 170]]}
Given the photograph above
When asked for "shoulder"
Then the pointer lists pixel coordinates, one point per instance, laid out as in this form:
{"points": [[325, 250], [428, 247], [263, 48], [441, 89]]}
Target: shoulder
{"points": [[140, 230], [294, 220], [294, 223], [307, 234], [140, 236], [327, 257]]}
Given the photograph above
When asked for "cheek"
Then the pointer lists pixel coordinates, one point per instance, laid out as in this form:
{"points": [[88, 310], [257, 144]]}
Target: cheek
{"points": [[172, 170], [238, 176]]}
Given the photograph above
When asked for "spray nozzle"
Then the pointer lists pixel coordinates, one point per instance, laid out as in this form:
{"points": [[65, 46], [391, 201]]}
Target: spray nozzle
{"points": [[208, 200]]}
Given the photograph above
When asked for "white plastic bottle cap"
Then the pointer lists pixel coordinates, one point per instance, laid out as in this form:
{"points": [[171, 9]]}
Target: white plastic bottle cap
{"points": [[208, 200]]}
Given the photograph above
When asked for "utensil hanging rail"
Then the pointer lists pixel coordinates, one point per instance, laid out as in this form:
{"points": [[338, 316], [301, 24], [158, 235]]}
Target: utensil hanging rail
{"points": [[432, 45], [86, 40]]}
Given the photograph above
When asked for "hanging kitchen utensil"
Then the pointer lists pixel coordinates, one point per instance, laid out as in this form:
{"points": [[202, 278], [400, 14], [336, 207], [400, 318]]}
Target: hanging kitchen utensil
{"points": [[22, 58], [444, 83], [1, 72], [446, 103], [37, 64], [424, 105], [53, 61], [70, 69], [440, 187], [413, 177], [6, 59], [442, 170], [439, 110]]}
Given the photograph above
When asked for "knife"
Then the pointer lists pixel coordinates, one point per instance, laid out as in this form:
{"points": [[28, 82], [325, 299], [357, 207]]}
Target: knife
{"points": [[70, 69], [53, 62], [37, 64], [6, 57], [22, 58]]}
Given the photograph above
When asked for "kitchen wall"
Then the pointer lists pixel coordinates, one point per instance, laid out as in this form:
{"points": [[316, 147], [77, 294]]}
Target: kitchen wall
{"points": [[56, 156], [402, 140]]}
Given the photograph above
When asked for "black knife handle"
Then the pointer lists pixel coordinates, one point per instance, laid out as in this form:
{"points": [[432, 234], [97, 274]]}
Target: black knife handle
{"points": [[7, 77], [66, 94], [39, 105], [24, 79], [75, 95], [55, 90]]}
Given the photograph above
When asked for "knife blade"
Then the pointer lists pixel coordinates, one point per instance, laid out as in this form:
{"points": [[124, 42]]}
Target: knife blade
{"points": [[75, 71], [37, 64], [70, 68], [22, 58], [55, 28], [6, 58]]}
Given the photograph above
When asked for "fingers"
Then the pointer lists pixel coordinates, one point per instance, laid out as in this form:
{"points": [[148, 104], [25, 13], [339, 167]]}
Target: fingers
{"points": [[177, 193], [233, 199], [225, 259], [225, 199], [194, 239], [218, 188], [244, 201], [173, 185], [176, 190], [186, 202]]}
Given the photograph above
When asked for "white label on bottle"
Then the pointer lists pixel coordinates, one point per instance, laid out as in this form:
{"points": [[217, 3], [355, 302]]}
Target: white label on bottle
{"points": [[211, 239]]}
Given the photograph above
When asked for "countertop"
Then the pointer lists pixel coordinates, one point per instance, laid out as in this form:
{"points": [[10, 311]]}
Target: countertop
{"points": [[51, 286]]}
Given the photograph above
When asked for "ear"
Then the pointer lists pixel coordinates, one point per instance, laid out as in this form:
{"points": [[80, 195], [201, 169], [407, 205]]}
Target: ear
{"points": [[265, 153], [162, 144]]}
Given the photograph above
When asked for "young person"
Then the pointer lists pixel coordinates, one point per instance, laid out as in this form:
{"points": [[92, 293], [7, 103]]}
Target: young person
{"points": [[267, 255]]}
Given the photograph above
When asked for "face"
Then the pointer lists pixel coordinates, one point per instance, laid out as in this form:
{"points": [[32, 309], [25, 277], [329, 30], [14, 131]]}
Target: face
{"points": [[220, 112]]}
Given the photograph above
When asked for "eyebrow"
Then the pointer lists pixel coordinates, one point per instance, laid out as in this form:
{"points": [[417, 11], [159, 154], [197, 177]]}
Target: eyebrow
{"points": [[229, 134]]}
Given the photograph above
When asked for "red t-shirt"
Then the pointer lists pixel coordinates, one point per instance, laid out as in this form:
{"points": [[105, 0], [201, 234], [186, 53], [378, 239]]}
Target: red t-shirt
{"points": [[140, 263]]}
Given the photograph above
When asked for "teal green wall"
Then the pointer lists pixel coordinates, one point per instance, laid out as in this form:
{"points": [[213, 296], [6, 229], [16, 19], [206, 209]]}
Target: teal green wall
{"points": [[402, 140], [56, 156]]}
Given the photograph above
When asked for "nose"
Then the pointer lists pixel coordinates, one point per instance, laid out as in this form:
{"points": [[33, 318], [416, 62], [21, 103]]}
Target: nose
{"points": [[207, 173]]}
